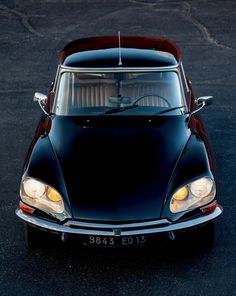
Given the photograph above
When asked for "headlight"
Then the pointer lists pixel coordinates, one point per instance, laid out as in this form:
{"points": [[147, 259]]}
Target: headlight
{"points": [[41, 196], [181, 194], [34, 188], [193, 195], [201, 187]]}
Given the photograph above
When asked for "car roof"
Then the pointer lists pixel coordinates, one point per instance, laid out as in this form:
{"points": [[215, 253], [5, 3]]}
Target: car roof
{"points": [[135, 51], [130, 57]]}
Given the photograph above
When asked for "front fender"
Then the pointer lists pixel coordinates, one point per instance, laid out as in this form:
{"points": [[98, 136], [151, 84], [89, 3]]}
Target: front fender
{"points": [[44, 166], [192, 164]]}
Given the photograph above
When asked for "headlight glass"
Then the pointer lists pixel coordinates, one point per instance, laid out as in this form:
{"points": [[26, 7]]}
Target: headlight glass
{"points": [[41, 196], [34, 188], [201, 187], [181, 194], [193, 195], [53, 195]]}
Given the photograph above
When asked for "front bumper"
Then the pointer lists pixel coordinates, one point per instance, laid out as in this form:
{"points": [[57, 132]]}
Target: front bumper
{"points": [[127, 229]]}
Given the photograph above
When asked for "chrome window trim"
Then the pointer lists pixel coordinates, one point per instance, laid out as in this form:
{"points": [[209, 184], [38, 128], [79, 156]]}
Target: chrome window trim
{"points": [[184, 76], [56, 78], [64, 69], [117, 69]]}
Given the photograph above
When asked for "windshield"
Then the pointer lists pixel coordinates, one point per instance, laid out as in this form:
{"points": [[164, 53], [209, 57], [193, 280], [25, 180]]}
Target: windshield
{"points": [[118, 93]]}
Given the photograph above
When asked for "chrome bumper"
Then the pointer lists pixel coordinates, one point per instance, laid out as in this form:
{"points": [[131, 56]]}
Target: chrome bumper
{"points": [[141, 228]]}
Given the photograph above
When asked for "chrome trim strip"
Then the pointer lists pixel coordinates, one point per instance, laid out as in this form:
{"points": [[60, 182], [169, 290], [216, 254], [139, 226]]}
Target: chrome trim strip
{"points": [[112, 232], [56, 79], [118, 69], [64, 69], [184, 76], [112, 226]]}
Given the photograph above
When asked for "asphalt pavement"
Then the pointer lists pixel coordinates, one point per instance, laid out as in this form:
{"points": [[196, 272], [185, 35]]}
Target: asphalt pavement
{"points": [[31, 36]]}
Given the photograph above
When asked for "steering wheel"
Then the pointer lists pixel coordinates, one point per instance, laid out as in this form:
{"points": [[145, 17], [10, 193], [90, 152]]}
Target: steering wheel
{"points": [[152, 95]]}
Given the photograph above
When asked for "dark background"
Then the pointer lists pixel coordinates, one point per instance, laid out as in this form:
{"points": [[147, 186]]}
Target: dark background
{"points": [[31, 35]]}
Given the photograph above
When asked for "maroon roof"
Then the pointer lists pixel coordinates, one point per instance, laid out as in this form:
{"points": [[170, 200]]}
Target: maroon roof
{"points": [[93, 43]]}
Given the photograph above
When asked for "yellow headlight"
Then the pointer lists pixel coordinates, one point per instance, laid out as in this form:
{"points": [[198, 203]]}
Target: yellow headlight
{"points": [[53, 195], [181, 194], [193, 195], [39, 195]]}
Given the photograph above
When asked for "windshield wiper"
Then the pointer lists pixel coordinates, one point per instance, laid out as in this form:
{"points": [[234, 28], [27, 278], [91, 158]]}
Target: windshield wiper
{"points": [[170, 109], [120, 109]]}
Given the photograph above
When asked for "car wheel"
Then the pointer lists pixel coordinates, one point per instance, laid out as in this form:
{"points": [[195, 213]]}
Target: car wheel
{"points": [[38, 239]]}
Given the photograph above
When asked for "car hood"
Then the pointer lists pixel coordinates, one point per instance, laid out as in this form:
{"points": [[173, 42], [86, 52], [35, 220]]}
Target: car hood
{"points": [[117, 169]]}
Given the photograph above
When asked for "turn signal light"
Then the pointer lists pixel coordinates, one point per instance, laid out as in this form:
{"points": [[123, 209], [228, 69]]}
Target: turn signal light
{"points": [[210, 207], [25, 208]]}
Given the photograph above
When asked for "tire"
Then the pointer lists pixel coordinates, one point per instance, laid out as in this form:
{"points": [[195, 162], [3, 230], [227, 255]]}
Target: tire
{"points": [[39, 239]]}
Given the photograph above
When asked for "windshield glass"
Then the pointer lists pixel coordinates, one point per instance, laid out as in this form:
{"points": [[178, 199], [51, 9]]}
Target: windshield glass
{"points": [[118, 93]]}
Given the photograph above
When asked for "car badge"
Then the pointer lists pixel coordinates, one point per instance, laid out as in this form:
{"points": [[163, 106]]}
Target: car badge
{"points": [[117, 231]]}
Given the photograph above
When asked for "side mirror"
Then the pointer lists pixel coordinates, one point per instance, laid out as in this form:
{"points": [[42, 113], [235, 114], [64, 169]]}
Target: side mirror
{"points": [[38, 97], [202, 102], [206, 101], [42, 100]]}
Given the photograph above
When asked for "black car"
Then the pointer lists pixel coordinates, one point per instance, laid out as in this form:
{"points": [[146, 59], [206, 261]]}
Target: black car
{"points": [[119, 153]]}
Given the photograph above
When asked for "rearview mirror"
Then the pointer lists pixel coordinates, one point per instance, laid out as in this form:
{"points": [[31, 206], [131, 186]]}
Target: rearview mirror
{"points": [[119, 100]]}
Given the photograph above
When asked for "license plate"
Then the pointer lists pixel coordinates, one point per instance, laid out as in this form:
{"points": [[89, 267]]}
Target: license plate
{"points": [[110, 241]]}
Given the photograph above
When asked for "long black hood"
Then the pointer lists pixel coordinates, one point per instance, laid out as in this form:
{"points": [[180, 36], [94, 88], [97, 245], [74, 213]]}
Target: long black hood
{"points": [[118, 169]]}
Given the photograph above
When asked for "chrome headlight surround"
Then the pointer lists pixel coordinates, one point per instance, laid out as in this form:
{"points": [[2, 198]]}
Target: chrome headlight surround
{"points": [[41, 196], [193, 195]]}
